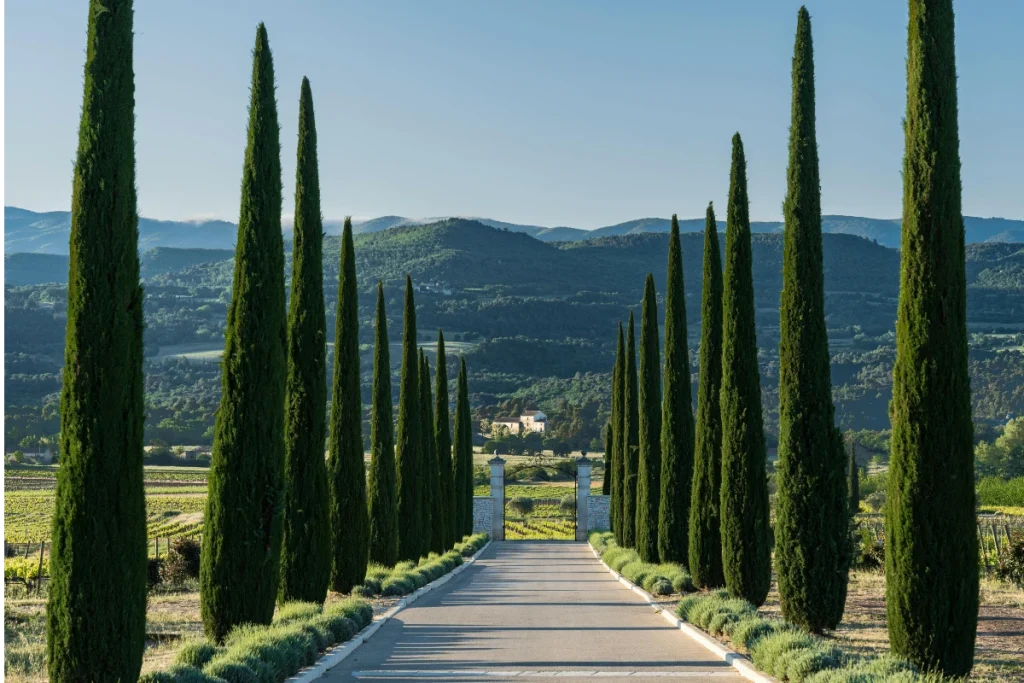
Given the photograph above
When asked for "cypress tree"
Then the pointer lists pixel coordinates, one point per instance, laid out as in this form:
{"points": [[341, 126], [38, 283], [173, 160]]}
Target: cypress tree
{"points": [[631, 443], [242, 530], [306, 543], [432, 477], [382, 482], [349, 516], [705, 552], [408, 444], [676, 416], [606, 480], [931, 555], [618, 424], [648, 490], [811, 523], [95, 617], [746, 544], [464, 454], [443, 445], [853, 482]]}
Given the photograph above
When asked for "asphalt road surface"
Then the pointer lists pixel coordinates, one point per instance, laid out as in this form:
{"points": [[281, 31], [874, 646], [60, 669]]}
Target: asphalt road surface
{"points": [[538, 610]]}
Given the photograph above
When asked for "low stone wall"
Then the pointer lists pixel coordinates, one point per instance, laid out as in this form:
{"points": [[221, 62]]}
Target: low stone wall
{"points": [[597, 513], [483, 514]]}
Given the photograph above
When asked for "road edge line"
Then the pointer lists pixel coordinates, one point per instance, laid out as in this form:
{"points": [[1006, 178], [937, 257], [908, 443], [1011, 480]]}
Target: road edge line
{"points": [[734, 659]]}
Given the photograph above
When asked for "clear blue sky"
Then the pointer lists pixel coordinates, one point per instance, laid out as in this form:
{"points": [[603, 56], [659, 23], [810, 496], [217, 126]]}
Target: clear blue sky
{"points": [[577, 113]]}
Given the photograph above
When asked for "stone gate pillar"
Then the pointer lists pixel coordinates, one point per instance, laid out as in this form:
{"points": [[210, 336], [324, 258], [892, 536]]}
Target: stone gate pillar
{"points": [[498, 498], [582, 493]]}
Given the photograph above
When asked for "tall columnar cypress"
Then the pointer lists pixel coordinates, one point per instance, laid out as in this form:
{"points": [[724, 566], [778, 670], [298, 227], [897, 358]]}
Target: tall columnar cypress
{"points": [[931, 555], [464, 452], [443, 446], [306, 543], [382, 484], [606, 480], [853, 482], [349, 516], [432, 477], [95, 617], [811, 523], [631, 442], [648, 490], [618, 424], [408, 446], [746, 544], [676, 417], [242, 531], [705, 552]]}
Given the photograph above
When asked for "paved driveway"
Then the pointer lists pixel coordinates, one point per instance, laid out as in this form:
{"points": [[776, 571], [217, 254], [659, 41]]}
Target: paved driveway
{"points": [[539, 610]]}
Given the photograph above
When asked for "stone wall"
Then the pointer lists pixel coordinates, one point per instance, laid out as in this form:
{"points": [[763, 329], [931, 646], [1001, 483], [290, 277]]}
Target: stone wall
{"points": [[597, 513], [483, 514]]}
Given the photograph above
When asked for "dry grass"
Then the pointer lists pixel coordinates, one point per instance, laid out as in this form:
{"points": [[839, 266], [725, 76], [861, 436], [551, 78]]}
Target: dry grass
{"points": [[999, 650]]}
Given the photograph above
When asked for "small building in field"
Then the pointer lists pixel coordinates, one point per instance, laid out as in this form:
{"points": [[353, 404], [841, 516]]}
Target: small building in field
{"points": [[529, 421]]}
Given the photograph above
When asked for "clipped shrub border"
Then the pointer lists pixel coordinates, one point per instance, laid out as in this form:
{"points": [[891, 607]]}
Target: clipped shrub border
{"points": [[306, 640], [775, 647], [601, 542]]}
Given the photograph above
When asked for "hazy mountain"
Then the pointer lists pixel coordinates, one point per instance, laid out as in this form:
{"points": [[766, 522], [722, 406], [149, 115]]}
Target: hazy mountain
{"points": [[35, 269], [47, 233]]}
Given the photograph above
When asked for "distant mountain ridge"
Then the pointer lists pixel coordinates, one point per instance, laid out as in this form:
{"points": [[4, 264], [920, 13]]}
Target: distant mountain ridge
{"points": [[48, 233]]}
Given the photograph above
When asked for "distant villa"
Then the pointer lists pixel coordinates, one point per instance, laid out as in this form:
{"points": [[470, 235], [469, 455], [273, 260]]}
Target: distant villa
{"points": [[529, 421]]}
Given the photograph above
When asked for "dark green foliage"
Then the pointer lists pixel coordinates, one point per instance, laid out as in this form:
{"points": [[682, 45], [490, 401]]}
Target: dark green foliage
{"points": [[648, 491], [705, 552], [811, 522], [853, 482], [631, 443], [746, 545], [349, 517], [618, 424], [382, 484], [676, 417], [306, 544], [408, 445], [931, 565], [434, 518], [463, 465], [96, 618], [243, 521], [606, 480], [443, 446]]}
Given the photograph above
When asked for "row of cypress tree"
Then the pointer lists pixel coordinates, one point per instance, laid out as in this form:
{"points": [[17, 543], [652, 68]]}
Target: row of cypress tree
{"points": [[281, 523], [931, 567]]}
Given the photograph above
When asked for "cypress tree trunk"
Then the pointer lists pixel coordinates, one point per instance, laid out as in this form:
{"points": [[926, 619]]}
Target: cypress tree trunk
{"points": [[631, 443], [705, 551], [408, 445], [648, 491], [464, 449], [349, 517], [306, 542], [676, 417], [443, 444], [606, 480], [746, 544], [853, 482], [242, 531], [618, 425], [95, 617], [432, 477], [811, 521], [382, 483], [931, 555]]}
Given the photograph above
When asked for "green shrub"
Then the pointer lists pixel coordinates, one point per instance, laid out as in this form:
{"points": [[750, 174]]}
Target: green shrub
{"points": [[359, 611], [521, 504], [156, 677], [195, 653], [749, 631], [396, 586], [365, 590], [154, 569], [296, 611], [231, 671], [1011, 563], [190, 674], [661, 587], [340, 628], [568, 504], [182, 561], [769, 652]]}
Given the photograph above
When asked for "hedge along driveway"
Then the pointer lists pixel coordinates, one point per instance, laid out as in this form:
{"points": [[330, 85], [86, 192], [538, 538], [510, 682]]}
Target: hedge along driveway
{"points": [[539, 607]]}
